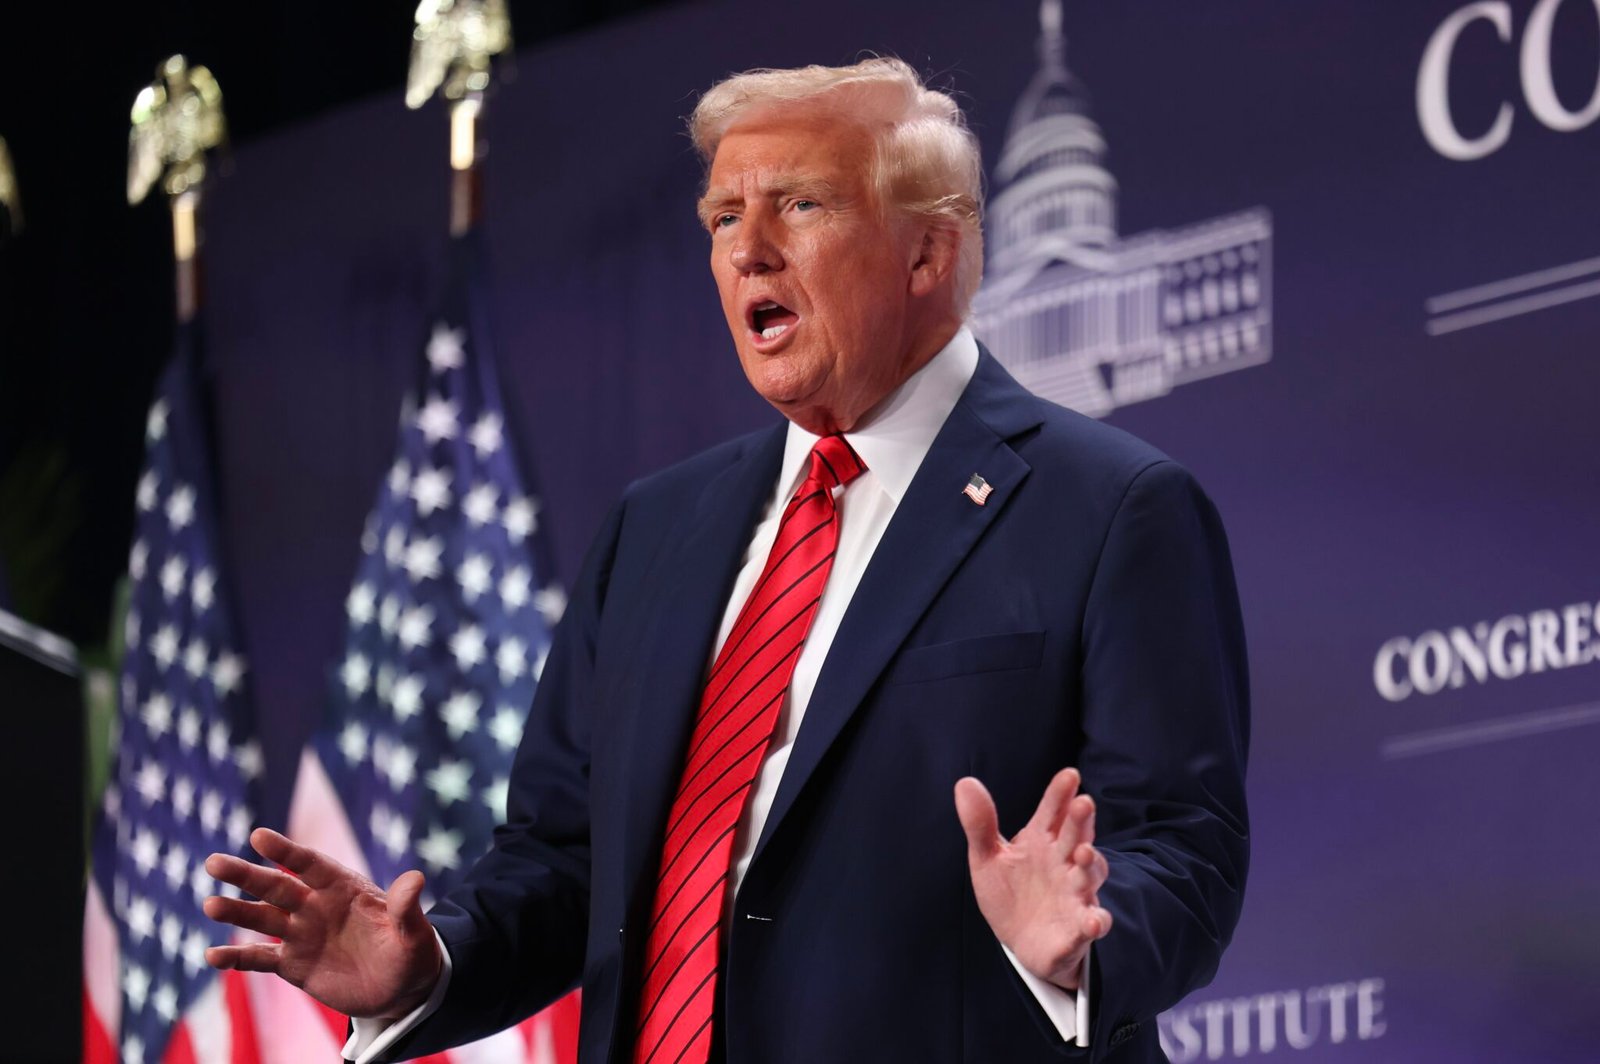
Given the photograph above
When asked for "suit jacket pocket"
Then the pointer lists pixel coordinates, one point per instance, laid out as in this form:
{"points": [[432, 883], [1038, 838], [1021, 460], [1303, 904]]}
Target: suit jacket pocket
{"points": [[984, 653]]}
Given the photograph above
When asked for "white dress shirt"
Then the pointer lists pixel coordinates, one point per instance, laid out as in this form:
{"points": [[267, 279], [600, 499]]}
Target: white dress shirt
{"points": [[892, 441]]}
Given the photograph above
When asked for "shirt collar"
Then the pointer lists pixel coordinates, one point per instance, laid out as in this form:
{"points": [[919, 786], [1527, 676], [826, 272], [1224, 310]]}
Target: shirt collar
{"points": [[895, 436]]}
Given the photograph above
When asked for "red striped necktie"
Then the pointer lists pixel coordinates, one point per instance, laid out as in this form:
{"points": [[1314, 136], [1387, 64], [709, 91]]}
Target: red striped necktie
{"points": [[738, 712]]}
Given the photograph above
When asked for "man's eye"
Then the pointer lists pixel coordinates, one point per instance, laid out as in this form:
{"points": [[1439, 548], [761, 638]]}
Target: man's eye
{"points": [[806, 205], [722, 221]]}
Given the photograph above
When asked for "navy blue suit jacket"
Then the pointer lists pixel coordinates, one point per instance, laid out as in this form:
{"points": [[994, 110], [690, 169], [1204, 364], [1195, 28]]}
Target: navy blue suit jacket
{"points": [[1086, 615]]}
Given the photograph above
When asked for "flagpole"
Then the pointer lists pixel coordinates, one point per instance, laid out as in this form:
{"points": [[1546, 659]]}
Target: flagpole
{"points": [[466, 183], [186, 253]]}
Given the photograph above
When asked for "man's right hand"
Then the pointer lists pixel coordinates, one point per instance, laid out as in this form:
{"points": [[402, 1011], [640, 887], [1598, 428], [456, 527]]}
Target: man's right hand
{"points": [[350, 945]]}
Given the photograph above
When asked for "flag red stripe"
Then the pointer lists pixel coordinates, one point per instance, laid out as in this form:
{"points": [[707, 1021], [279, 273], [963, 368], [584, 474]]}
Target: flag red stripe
{"points": [[179, 1049], [336, 1022], [564, 1026], [97, 1046], [241, 1020]]}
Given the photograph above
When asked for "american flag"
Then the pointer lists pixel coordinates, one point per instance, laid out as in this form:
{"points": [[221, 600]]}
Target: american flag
{"points": [[182, 783], [449, 622]]}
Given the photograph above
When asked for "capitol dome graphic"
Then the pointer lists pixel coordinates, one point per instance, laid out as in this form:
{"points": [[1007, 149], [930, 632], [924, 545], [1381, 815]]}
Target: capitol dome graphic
{"points": [[1086, 318]]}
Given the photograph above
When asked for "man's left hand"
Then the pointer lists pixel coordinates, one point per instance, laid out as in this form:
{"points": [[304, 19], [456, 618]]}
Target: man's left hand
{"points": [[1039, 891]]}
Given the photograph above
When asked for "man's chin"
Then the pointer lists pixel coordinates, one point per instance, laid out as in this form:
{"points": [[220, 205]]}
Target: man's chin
{"points": [[805, 400], [772, 380], [816, 417]]}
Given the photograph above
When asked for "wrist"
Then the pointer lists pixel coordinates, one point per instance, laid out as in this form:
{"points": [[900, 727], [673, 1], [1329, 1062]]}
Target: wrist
{"points": [[1069, 976], [418, 993]]}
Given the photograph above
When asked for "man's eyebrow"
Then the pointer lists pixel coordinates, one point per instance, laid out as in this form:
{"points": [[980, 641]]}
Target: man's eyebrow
{"points": [[780, 186], [715, 200], [803, 185]]}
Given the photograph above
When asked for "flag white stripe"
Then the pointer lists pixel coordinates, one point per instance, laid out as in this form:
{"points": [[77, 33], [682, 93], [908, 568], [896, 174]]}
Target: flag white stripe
{"points": [[101, 962], [507, 1047], [317, 817], [210, 1028], [544, 1042]]}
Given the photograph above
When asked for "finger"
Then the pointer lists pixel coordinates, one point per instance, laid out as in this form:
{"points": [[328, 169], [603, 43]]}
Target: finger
{"points": [[1095, 924], [251, 915], [978, 819], [405, 904], [268, 884], [316, 868], [1079, 814], [1057, 796], [1086, 819], [256, 957], [1092, 864]]}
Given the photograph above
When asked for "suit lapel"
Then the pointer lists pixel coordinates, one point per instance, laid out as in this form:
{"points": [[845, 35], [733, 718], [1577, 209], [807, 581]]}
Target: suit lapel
{"points": [[683, 609], [932, 531]]}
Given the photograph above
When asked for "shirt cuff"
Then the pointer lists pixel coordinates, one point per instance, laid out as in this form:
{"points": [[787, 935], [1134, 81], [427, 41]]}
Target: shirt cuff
{"points": [[369, 1037], [1068, 1010]]}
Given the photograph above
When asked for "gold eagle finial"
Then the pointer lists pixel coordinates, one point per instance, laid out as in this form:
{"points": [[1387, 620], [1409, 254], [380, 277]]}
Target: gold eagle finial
{"points": [[177, 118], [452, 45]]}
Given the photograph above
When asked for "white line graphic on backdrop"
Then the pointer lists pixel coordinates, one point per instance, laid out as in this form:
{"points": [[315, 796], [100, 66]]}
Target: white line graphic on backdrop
{"points": [[1083, 316], [1489, 302], [1491, 731]]}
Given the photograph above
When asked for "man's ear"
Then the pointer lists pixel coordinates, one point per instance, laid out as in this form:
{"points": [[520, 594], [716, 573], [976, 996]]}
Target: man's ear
{"points": [[935, 263]]}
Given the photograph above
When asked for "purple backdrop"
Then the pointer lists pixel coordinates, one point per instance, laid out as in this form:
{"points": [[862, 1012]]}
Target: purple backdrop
{"points": [[1426, 874]]}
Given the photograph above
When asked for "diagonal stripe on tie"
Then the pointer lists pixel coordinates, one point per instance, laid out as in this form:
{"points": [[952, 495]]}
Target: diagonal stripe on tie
{"points": [[738, 710]]}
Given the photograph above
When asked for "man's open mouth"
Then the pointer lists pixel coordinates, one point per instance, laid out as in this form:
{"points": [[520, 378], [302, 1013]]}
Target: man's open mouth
{"points": [[771, 320]]}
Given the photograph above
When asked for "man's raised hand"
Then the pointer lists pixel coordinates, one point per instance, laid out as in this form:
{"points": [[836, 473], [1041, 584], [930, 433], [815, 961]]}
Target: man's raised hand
{"points": [[1039, 891], [350, 945]]}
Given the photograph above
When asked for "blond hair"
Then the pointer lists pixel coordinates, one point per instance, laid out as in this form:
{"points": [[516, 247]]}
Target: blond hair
{"points": [[927, 165]]}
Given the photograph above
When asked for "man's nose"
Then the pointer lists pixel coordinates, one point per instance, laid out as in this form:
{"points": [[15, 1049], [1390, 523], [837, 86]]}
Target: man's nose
{"points": [[754, 250]]}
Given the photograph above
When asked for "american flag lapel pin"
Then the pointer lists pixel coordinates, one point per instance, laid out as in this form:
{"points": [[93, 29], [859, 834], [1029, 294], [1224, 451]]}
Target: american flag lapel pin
{"points": [[977, 490]]}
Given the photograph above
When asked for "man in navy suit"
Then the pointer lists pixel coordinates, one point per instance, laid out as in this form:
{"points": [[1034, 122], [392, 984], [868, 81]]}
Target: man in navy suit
{"points": [[1003, 591]]}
